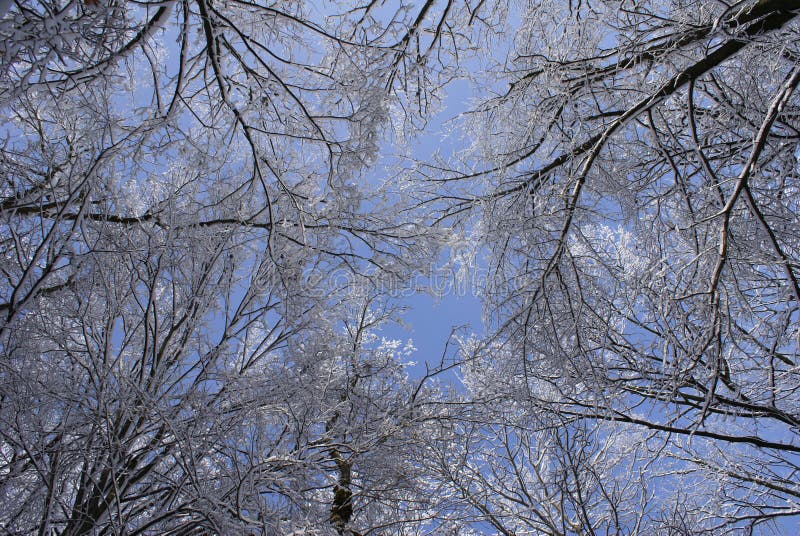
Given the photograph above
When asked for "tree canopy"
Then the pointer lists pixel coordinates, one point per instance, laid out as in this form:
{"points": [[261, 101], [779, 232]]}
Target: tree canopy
{"points": [[208, 207]]}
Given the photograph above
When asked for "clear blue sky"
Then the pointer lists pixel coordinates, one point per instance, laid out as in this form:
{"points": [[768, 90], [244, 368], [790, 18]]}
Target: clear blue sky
{"points": [[431, 316]]}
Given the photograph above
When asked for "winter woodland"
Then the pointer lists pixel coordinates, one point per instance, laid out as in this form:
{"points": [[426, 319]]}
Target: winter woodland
{"points": [[207, 208]]}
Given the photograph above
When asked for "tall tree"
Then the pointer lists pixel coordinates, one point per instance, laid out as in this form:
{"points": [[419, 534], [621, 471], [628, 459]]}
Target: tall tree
{"points": [[194, 269], [181, 200], [638, 197]]}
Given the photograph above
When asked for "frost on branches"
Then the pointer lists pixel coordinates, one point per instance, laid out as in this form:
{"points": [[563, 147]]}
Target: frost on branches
{"points": [[636, 179], [180, 180], [197, 260]]}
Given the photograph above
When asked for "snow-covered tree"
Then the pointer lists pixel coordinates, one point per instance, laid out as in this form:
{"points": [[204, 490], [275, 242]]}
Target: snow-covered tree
{"points": [[182, 202], [195, 267], [635, 179]]}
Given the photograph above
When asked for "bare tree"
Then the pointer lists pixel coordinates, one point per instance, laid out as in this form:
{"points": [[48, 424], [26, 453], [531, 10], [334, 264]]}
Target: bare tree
{"points": [[638, 198], [183, 188], [181, 181]]}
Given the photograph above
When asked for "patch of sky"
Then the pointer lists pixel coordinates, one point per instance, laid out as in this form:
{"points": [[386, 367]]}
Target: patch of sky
{"points": [[445, 296]]}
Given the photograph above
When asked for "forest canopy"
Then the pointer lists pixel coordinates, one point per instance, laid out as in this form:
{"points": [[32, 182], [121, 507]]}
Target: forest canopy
{"points": [[208, 209]]}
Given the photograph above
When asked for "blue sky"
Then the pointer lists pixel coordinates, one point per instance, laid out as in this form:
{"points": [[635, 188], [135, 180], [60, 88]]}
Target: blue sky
{"points": [[432, 315]]}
